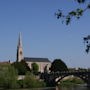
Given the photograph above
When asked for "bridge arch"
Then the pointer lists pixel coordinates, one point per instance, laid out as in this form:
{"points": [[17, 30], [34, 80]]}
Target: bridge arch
{"points": [[51, 77], [59, 79]]}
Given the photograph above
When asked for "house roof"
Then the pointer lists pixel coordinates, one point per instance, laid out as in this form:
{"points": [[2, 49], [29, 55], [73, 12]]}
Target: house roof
{"points": [[5, 62], [31, 59]]}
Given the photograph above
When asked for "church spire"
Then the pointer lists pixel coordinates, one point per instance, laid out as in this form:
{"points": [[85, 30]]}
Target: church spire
{"points": [[20, 40], [19, 49]]}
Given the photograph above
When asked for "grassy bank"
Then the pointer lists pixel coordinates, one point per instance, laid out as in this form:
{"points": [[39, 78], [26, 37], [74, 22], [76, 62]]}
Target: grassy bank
{"points": [[71, 82]]}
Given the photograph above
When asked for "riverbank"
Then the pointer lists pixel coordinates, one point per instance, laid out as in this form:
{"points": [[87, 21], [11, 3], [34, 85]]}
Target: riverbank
{"points": [[72, 82]]}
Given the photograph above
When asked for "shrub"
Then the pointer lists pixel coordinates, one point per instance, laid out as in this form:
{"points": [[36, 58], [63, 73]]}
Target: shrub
{"points": [[30, 81], [35, 68], [8, 76]]}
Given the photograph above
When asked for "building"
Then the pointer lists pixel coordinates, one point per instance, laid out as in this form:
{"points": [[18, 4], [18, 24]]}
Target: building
{"points": [[5, 62], [43, 63]]}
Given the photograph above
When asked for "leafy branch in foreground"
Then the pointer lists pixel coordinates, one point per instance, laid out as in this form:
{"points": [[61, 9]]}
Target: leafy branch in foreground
{"points": [[86, 41], [77, 13]]}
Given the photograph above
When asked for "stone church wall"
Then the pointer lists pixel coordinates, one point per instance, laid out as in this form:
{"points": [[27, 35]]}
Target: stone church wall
{"points": [[41, 65]]}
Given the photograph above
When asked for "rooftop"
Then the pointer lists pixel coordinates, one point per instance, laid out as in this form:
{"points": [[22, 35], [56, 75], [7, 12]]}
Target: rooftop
{"points": [[31, 59]]}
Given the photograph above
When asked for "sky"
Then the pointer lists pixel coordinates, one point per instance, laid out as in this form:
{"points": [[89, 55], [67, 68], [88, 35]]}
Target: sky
{"points": [[43, 35]]}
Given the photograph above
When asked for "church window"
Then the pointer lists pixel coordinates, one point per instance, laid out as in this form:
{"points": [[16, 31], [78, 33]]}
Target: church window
{"points": [[21, 52]]}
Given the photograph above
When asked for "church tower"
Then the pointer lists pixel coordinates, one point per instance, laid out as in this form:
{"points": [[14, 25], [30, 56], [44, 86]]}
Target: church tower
{"points": [[19, 49]]}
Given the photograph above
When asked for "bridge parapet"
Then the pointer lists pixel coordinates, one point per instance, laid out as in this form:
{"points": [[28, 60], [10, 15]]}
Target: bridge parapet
{"points": [[51, 77]]}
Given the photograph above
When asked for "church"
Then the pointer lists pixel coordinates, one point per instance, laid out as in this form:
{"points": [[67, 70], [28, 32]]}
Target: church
{"points": [[42, 62]]}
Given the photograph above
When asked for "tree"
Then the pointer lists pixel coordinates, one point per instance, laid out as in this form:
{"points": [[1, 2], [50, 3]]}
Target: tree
{"points": [[8, 76], [22, 67], [35, 68], [77, 13], [86, 40], [58, 66]]}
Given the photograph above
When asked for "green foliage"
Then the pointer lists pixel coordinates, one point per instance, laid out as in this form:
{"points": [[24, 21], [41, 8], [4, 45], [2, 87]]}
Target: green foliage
{"points": [[20, 83], [77, 13], [30, 81], [8, 76], [86, 40], [22, 67], [89, 6], [81, 1], [71, 82], [35, 68], [58, 65]]}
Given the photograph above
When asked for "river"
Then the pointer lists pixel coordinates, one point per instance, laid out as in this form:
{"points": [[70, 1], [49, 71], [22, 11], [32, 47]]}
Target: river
{"points": [[64, 88], [67, 88], [73, 88], [56, 88]]}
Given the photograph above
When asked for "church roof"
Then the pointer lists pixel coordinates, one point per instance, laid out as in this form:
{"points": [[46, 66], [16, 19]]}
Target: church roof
{"points": [[36, 59]]}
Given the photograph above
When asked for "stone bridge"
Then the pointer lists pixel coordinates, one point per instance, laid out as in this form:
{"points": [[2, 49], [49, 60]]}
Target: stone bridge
{"points": [[50, 78]]}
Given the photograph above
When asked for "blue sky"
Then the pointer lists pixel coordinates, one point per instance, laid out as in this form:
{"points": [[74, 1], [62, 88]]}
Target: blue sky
{"points": [[42, 34]]}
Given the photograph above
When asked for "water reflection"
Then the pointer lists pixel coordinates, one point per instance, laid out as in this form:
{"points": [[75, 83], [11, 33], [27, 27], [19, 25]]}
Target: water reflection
{"points": [[56, 88], [72, 88]]}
